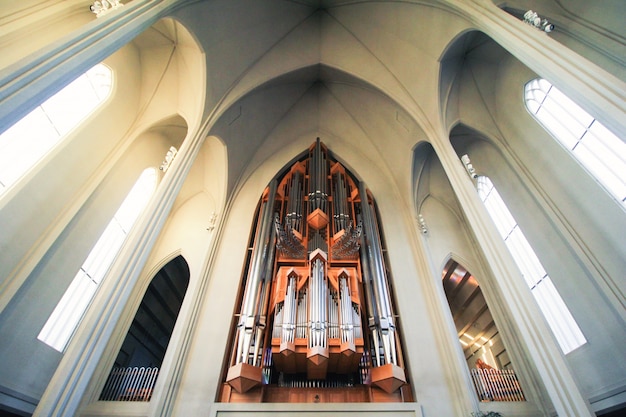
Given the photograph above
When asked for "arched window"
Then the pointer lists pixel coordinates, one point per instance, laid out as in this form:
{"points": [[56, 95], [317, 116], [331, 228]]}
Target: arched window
{"points": [[67, 315], [28, 140], [601, 152], [552, 306]]}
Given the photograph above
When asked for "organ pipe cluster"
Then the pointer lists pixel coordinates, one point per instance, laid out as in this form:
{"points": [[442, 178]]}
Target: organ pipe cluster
{"points": [[316, 303]]}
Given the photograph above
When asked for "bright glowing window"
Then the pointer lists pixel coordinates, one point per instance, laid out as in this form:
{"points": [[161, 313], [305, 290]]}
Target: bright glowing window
{"points": [[27, 141], [552, 306], [601, 152], [67, 315]]}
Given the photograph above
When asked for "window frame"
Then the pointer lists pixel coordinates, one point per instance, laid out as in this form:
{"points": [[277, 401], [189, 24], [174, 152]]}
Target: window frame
{"points": [[59, 139], [593, 159], [562, 323], [62, 323]]}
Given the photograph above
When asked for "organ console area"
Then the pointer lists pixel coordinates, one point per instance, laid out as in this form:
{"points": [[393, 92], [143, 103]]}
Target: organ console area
{"points": [[316, 321]]}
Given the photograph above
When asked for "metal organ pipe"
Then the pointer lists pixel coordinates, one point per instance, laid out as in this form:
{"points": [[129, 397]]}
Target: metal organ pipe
{"points": [[302, 310], [347, 328], [385, 324], [373, 320], [317, 179], [289, 315], [262, 253], [262, 302], [333, 319], [317, 313], [295, 202], [340, 199]]}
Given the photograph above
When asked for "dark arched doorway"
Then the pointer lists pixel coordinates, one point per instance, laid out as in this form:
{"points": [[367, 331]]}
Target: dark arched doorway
{"points": [[138, 362]]}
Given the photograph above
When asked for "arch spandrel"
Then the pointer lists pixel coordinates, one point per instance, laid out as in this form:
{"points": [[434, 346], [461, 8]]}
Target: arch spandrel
{"points": [[172, 66]]}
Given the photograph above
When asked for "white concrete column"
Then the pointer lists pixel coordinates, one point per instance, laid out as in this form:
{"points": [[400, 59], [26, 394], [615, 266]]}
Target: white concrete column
{"points": [[70, 381], [25, 87], [513, 295], [454, 363]]}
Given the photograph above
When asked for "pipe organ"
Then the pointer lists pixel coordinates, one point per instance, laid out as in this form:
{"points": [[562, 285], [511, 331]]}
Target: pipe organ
{"points": [[316, 311]]}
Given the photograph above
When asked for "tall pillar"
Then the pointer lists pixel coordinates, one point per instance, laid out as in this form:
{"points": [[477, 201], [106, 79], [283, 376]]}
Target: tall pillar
{"points": [[514, 298], [70, 381]]}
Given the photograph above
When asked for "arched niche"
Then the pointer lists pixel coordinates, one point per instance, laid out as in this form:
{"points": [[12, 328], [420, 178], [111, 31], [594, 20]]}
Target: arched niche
{"points": [[172, 73], [196, 214], [29, 310], [471, 70], [442, 218], [148, 148], [450, 239]]}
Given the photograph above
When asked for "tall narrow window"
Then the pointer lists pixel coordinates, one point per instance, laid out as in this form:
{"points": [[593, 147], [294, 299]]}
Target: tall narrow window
{"points": [[601, 152], [552, 306], [27, 141], [67, 315]]}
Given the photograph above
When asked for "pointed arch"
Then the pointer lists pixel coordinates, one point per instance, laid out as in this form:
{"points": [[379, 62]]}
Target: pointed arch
{"points": [[136, 368]]}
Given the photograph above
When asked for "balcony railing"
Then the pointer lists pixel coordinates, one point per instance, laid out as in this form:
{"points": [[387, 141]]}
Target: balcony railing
{"points": [[497, 385], [130, 384]]}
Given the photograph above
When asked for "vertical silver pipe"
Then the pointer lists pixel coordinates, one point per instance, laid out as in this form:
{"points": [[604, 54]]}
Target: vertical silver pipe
{"points": [[262, 301], [261, 252], [287, 314], [373, 319], [299, 317], [379, 278], [292, 309], [346, 310]]}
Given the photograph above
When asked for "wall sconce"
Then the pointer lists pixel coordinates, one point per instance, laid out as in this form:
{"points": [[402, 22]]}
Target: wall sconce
{"points": [[169, 157], [102, 7], [422, 224], [533, 19], [468, 166], [212, 221]]}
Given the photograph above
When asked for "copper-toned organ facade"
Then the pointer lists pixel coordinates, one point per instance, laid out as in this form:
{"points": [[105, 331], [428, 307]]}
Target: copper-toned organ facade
{"points": [[316, 312]]}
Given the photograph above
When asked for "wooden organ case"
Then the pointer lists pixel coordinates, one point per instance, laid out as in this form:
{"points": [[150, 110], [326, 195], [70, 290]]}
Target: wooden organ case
{"points": [[316, 320]]}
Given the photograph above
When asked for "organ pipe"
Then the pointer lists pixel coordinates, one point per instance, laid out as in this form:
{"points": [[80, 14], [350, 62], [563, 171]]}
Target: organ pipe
{"points": [[289, 315], [317, 311], [294, 214], [340, 200], [347, 328], [255, 286], [319, 303], [317, 179], [385, 326]]}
